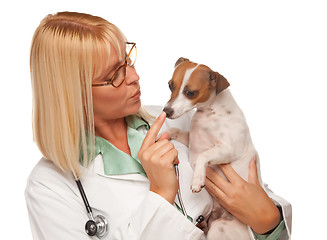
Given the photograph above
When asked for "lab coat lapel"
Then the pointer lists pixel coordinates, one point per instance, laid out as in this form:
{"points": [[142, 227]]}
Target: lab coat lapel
{"points": [[99, 169]]}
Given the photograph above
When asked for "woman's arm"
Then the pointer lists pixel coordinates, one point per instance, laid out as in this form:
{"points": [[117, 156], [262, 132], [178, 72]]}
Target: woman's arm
{"points": [[247, 201]]}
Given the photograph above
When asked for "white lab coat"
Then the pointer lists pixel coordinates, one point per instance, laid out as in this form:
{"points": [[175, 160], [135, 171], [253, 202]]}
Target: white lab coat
{"points": [[56, 209]]}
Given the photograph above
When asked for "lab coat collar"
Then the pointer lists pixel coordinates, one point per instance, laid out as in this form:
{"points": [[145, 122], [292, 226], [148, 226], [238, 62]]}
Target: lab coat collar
{"points": [[116, 162], [136, 122], [99, 170]]}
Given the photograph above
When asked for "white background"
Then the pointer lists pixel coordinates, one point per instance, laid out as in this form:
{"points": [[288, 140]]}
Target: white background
{"points": [[273, 53]]}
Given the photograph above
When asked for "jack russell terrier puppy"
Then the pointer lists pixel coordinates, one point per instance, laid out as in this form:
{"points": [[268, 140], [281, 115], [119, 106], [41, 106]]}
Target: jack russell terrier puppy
{"points": [[218, 134]]}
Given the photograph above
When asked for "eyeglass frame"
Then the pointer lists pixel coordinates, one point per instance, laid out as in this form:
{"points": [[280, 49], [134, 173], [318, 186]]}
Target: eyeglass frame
{"points": [[125, 64]]}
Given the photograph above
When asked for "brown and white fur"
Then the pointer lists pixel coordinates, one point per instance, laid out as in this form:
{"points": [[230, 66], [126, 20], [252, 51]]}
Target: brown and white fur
{"points": [[218, 134]]}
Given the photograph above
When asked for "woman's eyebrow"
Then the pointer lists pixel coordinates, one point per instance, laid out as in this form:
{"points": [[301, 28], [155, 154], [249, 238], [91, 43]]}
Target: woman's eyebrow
{"points": [[116, 66]]}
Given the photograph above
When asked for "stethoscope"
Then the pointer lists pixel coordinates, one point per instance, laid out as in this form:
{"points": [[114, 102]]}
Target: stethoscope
{"points": [[99, 225]]}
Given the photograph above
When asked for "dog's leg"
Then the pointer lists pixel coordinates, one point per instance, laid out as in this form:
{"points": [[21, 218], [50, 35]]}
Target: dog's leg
{"points": [[178, 135], [219, 154]]}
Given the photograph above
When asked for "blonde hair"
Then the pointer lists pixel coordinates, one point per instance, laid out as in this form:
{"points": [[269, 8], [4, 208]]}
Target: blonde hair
{"points": [[68, 51]]}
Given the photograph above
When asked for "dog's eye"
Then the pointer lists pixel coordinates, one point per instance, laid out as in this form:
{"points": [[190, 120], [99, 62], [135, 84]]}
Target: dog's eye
{"points": [[190, 94], [171, 85]]}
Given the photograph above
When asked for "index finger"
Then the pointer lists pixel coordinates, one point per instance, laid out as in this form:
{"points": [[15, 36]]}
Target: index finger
{"points": [[222, 184], [230, 173], [151, 136]]}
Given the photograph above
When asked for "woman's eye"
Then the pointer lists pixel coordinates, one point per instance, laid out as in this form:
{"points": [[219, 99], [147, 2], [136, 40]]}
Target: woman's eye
{"points": [[114, 77]]}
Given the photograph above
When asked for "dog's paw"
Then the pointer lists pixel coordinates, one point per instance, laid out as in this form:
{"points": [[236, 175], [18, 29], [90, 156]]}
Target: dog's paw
{"points": [[196, 188], [178, 135], [197, 184], [173, 133]]}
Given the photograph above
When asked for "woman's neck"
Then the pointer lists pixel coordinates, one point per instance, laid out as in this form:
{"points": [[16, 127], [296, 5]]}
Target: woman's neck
{"points": [[114, 131]]}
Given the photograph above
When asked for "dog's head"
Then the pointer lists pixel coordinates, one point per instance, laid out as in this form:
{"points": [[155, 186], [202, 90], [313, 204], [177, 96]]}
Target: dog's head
{"points": [[190, 85]]}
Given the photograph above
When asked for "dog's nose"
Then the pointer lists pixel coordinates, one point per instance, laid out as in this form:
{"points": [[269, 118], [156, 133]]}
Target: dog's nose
{"points": [[169, 111]]}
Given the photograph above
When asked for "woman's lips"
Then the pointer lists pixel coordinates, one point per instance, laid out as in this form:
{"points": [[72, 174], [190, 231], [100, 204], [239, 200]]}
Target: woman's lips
{"points": [[137, 95]]}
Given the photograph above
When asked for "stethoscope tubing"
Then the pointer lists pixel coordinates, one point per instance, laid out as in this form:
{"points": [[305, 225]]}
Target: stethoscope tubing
{"points": [[179, 191], [86, 202]]}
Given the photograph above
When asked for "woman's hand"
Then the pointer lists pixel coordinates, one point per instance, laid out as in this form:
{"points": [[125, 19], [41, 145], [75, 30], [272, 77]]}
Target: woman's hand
{"points": [[158, 159], [247, 201]]}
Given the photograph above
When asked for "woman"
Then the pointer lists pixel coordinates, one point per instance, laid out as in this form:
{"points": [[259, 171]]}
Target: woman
{"points": [[89, 124]]}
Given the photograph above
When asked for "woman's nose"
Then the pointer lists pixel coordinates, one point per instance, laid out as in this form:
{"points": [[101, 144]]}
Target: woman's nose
{"points": [[131, 75]]}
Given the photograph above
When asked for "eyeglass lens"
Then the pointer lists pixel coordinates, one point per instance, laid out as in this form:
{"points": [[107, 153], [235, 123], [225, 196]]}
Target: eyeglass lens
{"points": [[119, 76], [131, 53]]}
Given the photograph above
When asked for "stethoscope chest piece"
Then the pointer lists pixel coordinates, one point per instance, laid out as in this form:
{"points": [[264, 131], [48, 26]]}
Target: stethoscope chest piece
{"points": [[99, 227]]}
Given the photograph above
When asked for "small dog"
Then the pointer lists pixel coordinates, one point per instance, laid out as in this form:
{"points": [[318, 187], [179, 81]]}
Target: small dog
{"points": [[218, 134]]}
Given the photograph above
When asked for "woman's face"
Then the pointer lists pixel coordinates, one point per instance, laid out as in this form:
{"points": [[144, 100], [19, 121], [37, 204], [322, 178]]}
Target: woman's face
{"points": [[111, 103]]}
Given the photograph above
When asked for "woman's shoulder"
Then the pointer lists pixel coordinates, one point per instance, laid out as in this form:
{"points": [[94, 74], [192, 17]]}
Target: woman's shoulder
{"points": [[48, 176], [44, 169]]}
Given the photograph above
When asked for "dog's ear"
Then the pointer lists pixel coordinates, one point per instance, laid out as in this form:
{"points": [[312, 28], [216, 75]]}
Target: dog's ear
{"points": [[180, 60], [218, 81]]}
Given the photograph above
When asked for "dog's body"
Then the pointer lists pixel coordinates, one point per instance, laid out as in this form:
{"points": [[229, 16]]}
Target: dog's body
{"points": [[218, 134]]}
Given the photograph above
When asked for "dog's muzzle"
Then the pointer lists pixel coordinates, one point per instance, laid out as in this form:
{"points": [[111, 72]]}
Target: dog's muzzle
{"points": [[169, 111]]}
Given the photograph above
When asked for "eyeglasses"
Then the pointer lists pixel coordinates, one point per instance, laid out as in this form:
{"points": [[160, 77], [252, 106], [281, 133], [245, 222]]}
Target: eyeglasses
{"points": [[120, 74]]}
